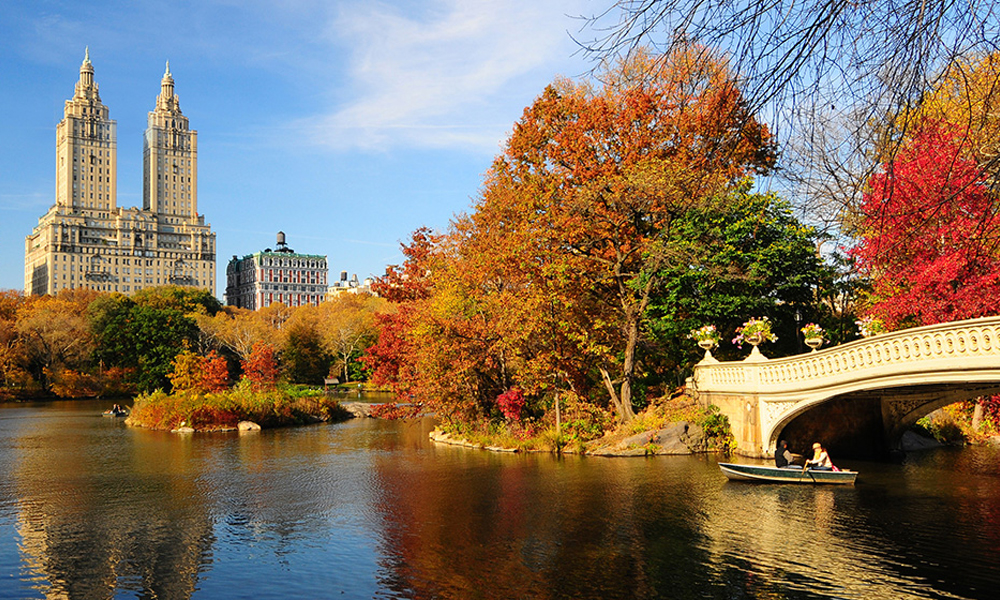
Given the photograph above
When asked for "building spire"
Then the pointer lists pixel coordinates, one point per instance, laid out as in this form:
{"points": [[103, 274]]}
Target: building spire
{"points": [[167, 100], [86, 74]]}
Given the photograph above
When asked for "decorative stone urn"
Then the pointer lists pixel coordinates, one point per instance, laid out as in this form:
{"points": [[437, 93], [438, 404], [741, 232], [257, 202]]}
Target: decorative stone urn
{"points": [[707, 346], [754, 339], [814, 342]]}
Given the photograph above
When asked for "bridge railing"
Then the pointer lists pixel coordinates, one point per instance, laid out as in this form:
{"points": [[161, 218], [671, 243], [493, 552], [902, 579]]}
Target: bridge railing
{"points": [[962, 345]]}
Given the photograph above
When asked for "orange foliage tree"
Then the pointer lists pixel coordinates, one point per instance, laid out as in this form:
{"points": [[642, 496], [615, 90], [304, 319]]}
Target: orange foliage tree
{"points": [[215, 376], [261, 367], [55, 334], [192, 372], [548, 280]]}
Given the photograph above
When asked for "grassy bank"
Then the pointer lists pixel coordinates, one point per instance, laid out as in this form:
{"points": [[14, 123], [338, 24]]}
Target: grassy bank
{"points": [[279, 406], [585, 429]]}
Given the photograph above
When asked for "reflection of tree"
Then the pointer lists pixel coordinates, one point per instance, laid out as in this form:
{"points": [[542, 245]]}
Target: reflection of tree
{"points": [[477, 525], [90, 519], [104, 508]]}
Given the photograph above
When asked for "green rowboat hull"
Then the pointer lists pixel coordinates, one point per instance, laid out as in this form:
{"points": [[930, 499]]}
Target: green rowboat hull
{"points": [[766, 474]]}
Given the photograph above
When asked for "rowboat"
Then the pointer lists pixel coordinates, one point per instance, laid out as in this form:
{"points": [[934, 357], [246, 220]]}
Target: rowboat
{"points": [[762, 473]]}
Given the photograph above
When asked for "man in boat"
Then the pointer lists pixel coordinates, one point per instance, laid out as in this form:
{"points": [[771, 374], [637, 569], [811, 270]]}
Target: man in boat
{"points": [[820, 460], [782, 456]]}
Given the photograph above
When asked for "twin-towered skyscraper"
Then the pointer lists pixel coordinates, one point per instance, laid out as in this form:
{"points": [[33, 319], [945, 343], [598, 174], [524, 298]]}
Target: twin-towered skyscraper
{"points": [[86, 240]]}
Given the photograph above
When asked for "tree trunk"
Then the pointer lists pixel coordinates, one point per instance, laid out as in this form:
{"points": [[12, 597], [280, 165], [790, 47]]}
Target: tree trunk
{"points": [[628, 369], [611, 391]]}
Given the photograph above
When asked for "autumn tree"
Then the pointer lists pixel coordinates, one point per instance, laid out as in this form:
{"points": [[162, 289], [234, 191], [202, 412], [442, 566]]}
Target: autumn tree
{"points": [[55, 334], [392, 357], [965, 100], [347, 326], [261, 366], [236, 329], [12, 373], [609, 170], [192, 372], [215, 374], [187, 372], [930, 234], [838, 75]]}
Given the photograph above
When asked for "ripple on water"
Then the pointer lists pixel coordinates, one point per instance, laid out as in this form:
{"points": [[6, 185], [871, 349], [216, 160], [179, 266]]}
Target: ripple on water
{"points": [[372, 510]]}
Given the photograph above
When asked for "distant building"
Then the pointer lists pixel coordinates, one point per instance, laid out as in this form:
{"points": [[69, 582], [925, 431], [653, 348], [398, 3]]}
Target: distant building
{"points": [[349, 286], [280, 275], [85, 240]]}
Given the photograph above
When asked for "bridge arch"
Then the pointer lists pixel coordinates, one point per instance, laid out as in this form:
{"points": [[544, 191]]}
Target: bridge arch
{"points": [[896, 377]]}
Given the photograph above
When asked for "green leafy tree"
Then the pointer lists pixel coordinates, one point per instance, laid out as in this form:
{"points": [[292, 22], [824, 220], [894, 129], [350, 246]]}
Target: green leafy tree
{"points": [[183, 299], [303, 358], [143, 339], [751, 257]]}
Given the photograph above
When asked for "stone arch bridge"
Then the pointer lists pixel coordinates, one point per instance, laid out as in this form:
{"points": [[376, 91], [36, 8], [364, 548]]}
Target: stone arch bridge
{"points": [[858, 398]]}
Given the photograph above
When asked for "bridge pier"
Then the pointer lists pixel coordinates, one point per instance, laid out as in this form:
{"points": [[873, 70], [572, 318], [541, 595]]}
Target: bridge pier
{"points": [[744, 422]]}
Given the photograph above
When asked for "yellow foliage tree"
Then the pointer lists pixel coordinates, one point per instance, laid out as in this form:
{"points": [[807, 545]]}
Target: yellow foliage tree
{"points": [[968, 98]]}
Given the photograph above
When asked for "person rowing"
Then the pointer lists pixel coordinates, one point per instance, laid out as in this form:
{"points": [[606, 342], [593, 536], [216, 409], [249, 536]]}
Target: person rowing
{"points": [[820, 460]]}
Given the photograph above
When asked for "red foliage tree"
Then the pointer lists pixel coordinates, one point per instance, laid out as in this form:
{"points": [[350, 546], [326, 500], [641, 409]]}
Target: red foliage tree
{"points": [[215, 374], [929, 234], [391, 358], [261, 367]]}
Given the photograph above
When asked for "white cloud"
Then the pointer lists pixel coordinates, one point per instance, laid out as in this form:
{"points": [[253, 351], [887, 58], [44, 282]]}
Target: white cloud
{"points": [[455, 73]]}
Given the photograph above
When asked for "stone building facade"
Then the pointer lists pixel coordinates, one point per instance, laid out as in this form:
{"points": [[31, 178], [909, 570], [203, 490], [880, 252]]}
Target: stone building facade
{"points": [[86, 240], [280, 275]]}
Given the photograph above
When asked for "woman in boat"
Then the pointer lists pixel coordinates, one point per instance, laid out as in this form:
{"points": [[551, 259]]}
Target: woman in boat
{"points": [[820, 460], [782, 456]]}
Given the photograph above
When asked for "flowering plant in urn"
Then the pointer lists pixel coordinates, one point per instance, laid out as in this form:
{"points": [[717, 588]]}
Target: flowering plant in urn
{"points": [[870, 326], [813, 335], [754, 331], [812, 330], [707, 336]]}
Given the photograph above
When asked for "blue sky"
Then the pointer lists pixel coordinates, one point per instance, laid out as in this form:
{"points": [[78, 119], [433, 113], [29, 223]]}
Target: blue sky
{"points": [[345, 124]]}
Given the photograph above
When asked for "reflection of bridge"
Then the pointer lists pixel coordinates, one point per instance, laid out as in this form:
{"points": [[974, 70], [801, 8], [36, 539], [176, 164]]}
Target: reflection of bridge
{"points": [[857, 397]]}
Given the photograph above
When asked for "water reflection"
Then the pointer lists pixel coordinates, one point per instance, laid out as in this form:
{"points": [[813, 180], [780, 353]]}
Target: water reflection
{"points": [[495, 526], [368, 509], [76, 514]]}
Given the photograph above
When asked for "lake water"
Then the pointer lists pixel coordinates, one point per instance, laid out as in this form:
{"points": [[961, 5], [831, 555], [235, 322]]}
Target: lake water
{"points": [[90, 508]]}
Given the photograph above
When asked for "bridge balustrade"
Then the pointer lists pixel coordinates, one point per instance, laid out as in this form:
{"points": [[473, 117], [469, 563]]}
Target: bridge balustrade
{"points": [[758, 394]]}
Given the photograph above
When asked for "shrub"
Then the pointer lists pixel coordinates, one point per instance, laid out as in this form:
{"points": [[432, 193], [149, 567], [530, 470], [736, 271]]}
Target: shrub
{"points": [[512, 403]]}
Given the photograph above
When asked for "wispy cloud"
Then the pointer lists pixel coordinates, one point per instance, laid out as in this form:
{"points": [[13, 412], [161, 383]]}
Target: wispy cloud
{"points": [[24, 202], [454, 73]]}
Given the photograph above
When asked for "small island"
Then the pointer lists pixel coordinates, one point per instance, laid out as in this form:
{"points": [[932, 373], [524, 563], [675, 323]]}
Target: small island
{"points": [[255, 407]]}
